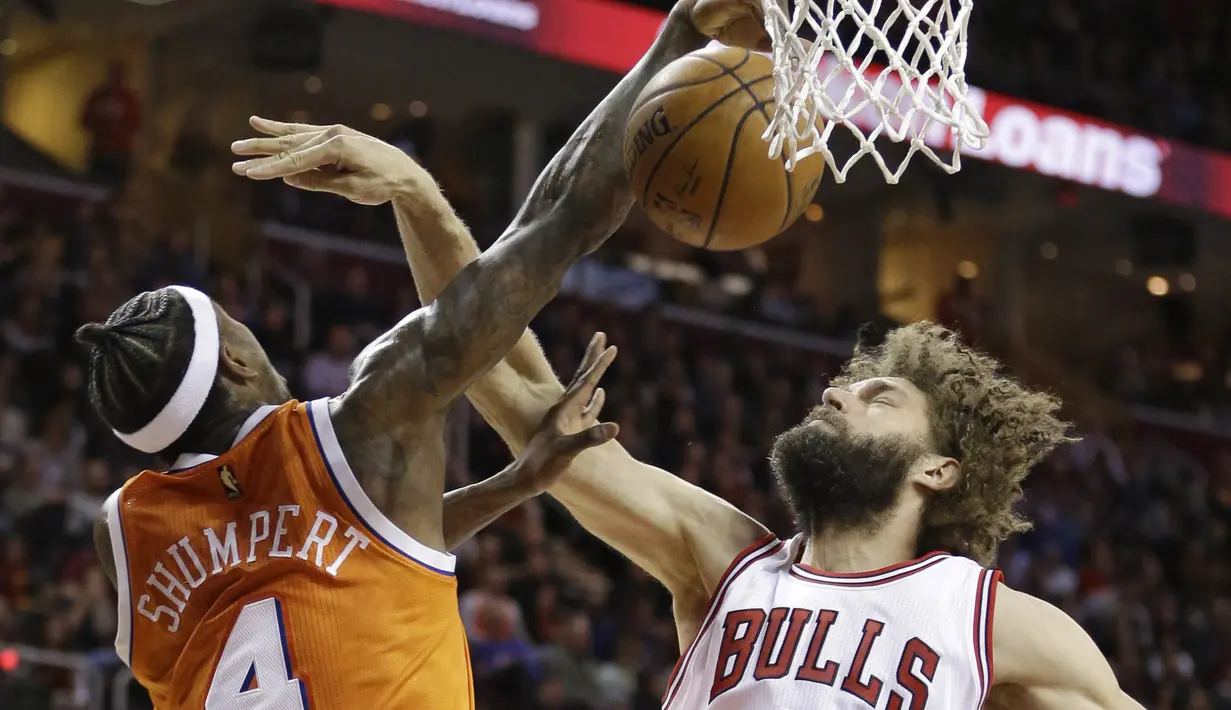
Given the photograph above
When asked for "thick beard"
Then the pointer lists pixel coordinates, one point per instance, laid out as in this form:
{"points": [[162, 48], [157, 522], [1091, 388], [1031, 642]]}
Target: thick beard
{"points": [[834, 478]]}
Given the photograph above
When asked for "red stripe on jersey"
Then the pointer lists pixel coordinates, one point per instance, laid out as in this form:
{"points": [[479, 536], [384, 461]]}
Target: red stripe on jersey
{"points": [[885, 576], [995, 577], [749, 556], [837, 576], [985, 609], [976, 636]]}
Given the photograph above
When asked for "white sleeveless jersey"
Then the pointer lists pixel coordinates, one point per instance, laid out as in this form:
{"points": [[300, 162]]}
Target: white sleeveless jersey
{"points": [[783, 636]]}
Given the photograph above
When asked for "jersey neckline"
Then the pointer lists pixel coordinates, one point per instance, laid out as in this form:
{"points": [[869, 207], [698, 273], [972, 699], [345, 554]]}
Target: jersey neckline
{"points": [[188, 461], [883, 574]]}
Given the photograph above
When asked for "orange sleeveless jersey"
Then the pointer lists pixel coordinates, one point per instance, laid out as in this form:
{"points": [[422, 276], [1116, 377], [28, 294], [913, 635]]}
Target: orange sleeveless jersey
{"points": [[266, 579]]}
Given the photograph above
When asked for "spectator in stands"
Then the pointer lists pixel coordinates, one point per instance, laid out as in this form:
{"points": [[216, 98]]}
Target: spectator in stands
{"points": [[960, 309], [586, 682], [111, 116], [327, 373]]}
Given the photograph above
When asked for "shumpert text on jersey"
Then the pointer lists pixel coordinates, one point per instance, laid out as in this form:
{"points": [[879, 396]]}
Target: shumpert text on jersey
{"points": [[193, 559]]}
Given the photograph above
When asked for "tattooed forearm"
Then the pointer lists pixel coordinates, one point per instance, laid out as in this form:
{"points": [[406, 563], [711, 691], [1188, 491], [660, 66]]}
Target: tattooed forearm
{"points": [[389, 417], [578, 201]]}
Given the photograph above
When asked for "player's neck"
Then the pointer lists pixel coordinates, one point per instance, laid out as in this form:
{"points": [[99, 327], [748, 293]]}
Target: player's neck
{"points": [[222, 433], [861, 549]]}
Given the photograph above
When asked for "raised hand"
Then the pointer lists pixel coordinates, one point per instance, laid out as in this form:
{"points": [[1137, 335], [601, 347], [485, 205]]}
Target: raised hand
{"points": [[571, 426], [335, 159]]}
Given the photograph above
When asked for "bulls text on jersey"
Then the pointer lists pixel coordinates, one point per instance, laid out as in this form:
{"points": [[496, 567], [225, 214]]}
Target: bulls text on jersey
{"points": [[786, 641], [780, 634]]}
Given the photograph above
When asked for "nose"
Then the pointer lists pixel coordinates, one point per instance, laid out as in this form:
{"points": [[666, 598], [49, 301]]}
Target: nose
{"points": [[835, 398]]}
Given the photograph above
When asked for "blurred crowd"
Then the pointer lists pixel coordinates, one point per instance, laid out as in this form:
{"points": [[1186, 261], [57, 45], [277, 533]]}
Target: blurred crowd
{"points": [[1131, 538], [1157, 66]]}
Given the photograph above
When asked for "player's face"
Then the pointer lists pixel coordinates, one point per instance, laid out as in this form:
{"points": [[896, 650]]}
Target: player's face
{"points": [[255, 377], [847, 462], [878, 407]]}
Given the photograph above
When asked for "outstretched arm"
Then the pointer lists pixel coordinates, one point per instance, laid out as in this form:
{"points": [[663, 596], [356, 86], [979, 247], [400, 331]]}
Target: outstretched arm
{"points": [[429, 358], [402, 381], [680, 534], [1046, 661]]}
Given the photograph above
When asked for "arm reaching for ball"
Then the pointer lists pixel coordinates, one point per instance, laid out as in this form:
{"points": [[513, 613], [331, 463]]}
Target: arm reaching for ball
{"points": [[680, 534], [410, 374], [434, 354]]}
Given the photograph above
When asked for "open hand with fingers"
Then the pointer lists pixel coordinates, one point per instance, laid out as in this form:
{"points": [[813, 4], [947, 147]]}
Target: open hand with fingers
{"points": [[571, 426], [335, 159]]}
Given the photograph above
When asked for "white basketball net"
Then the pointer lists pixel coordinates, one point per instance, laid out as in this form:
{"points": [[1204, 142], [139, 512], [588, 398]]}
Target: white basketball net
{"points": [[915, 91]]}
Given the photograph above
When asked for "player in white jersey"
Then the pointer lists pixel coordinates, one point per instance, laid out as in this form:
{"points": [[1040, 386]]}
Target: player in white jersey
{"points": [[903, 480], [783, 634]]}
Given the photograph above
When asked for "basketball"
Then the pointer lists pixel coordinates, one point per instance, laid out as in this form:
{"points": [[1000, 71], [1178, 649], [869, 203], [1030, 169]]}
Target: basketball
{"points": [[696, 159]]}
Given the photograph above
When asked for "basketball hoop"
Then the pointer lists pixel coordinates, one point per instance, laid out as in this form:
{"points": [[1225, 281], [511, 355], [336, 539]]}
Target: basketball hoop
{"points": [[910, 89]]}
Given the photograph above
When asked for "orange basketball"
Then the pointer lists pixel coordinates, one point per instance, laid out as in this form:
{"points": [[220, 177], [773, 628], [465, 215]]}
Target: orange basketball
{"points": [[696, 158]]}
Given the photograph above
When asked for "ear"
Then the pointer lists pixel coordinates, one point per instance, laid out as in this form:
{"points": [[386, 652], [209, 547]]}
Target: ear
{"points": [[234, 365], [938, 473]]}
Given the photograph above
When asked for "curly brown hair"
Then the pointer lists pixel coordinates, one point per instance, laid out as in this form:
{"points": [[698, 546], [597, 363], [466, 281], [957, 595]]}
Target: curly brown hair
{"points": [[996, 428]]}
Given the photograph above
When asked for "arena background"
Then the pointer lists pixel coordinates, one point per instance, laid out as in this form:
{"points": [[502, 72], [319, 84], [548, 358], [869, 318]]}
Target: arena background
{"points": [[1087, 245]]}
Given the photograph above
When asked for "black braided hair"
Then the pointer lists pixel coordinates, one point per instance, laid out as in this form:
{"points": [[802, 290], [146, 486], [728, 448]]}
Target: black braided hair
{"points": [[137, 359]]}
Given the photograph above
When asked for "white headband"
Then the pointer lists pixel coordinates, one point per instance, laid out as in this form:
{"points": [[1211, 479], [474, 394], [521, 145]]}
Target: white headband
{"points": [[189, 397]]}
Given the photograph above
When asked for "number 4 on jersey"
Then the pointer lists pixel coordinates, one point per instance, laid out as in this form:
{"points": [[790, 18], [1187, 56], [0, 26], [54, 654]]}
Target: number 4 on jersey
{"points": [[254, 671]]}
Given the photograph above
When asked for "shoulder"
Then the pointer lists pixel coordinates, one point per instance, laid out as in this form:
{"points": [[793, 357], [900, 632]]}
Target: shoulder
{"points": [[765, 552], [1026, 633], [1042, 650], [695, 606]]}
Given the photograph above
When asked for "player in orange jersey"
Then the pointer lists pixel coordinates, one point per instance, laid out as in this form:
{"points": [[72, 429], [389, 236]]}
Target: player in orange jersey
{"points": [[294, 553], [264, 576]]}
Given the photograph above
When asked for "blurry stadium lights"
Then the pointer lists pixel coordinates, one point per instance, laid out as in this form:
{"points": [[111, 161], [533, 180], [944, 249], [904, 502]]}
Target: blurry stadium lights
{"points": [[967, 269], [735, 285], [1049, 251], [1158, 286], [1187, 282], [666, 269], [758, 260], [896, 219], [8, 47], [1188, 371], [418, 109], [1124, 267], [313, 85], [381, 112], [814, 213]]}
